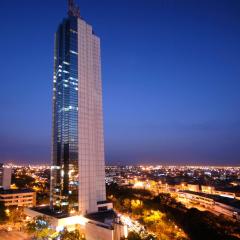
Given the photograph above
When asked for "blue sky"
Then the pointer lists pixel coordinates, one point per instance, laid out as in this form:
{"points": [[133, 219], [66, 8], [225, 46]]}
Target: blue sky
{"points": [[170, 79]]}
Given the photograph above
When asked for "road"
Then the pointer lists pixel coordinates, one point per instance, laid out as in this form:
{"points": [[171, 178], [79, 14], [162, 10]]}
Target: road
{"points": [[13, 235], [134, 226]]}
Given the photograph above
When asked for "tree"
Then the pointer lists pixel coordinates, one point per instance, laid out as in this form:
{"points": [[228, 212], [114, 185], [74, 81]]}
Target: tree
{"points": [[150, 237], [137, 206], [40, 227], [23, 181], [127, 204], [15, 214], [3, 215], [152, 216], [71, 235], [133, 236]]}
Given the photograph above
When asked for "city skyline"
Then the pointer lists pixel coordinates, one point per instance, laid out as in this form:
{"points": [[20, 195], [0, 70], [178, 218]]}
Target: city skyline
{"points": [[170, 87]]}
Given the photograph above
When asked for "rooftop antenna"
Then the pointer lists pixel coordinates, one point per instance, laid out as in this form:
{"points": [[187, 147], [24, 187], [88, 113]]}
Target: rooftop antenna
{"points": [[73, 9]]}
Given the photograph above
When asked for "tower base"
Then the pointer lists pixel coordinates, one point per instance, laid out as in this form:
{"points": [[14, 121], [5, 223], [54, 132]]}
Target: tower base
{"points": [[103, 225]]}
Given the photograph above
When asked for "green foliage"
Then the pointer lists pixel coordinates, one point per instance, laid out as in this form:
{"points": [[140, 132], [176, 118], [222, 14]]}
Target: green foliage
{"points": [[150, 237], [73, 235], [145, 207], [15, 214], [163, 215], [40, 227], [44, 233], [3, 215], [127, 204], [134, 236], [151, 217], [23, 181], [123, 193]]}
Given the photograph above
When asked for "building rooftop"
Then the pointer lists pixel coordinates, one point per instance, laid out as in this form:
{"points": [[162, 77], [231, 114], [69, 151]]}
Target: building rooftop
{"points": [[107, 217], [48, 211], [225, 200], [15, 191], [104, 218]]}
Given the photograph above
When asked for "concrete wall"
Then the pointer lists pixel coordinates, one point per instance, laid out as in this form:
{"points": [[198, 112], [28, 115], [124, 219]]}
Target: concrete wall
{"points": [[94, 232], [90, 121]]}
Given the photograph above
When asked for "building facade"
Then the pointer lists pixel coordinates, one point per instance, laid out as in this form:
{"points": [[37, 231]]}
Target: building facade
{"points": [[78, 166], [5, 176], [18, 198]]}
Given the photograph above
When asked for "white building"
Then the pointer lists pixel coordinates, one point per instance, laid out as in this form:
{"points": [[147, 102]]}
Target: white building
{"points": [[5, 176], [78, 165]]}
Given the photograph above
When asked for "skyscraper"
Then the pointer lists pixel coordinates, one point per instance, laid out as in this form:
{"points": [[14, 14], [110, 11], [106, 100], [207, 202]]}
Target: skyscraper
{"points": [[78, 168], [77, 190]]}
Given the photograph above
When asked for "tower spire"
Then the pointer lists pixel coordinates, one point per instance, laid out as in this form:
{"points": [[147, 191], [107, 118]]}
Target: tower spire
{"points": [[73, 9]]}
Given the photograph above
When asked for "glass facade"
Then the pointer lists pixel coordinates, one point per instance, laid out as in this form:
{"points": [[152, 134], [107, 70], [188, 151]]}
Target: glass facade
{"points": [[78, 165], [64, 169]]}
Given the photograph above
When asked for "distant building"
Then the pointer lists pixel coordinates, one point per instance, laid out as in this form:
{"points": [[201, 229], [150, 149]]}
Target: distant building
{"points": [[207, 189], [18, 198], [193, 187], [217, 204], [5, 176], [225, 193]]}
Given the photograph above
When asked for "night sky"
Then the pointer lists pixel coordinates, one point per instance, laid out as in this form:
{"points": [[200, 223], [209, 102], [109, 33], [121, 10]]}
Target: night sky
{"points": [[171, 79]]}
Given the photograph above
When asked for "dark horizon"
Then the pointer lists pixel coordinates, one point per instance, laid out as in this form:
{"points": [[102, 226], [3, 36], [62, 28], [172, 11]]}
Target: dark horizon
{"points": [[170, 72]]}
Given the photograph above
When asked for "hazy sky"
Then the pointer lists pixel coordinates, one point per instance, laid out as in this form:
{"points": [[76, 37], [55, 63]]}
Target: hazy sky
{"points": [[171, 79]]}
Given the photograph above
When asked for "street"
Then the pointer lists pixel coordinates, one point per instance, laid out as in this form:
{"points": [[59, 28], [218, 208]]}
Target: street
{"points": [[13, 235], [133, 225]]}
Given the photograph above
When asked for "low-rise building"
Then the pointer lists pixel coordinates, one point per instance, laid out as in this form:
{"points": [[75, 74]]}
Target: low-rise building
{"points": [[207, 189], [17, 197], [217, 204], [103, 225], [193, 187], [225, 194]]}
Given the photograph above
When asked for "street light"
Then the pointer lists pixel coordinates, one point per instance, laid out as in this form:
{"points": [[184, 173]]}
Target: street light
{"points": [[7, 211]]}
